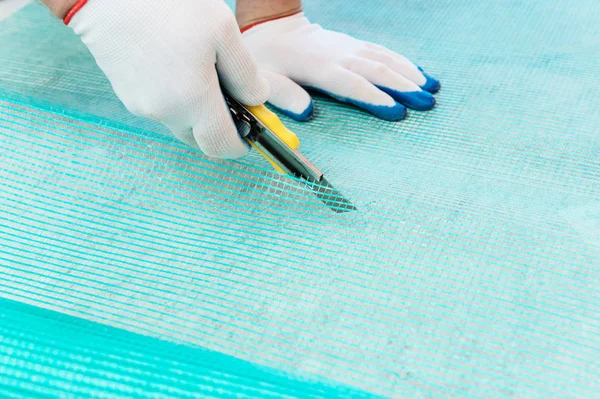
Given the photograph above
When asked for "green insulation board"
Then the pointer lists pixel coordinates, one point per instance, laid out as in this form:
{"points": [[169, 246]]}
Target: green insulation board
{"points": [[131, 265]]}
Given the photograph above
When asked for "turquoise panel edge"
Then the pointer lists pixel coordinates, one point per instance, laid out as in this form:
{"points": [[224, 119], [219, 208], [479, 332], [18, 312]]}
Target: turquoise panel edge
{"points": [[43, 352]]}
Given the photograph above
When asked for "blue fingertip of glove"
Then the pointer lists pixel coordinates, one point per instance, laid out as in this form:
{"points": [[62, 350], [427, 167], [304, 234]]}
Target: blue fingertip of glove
{"points": [[302, 117], [419, 100], [394, 113], [432, 85]]}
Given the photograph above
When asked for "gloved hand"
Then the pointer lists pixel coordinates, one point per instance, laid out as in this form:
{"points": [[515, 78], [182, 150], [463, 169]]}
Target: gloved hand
{"points": [[293, 53], [162, 59]]}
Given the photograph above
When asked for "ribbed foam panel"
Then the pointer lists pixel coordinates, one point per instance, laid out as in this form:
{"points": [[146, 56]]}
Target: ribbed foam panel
{"points": [[134, 266]]}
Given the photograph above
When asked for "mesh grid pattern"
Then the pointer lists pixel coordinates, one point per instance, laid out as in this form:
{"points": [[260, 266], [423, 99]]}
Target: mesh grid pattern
{"points": [[471, 268]]}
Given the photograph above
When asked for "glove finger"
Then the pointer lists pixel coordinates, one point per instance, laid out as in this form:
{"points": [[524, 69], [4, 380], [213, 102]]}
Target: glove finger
{"points": [[288, 97], [396, 85], [401, 65], [348, 87], [185, 135], [214, 132], [238, 71], [431, 85], [181, 129]]}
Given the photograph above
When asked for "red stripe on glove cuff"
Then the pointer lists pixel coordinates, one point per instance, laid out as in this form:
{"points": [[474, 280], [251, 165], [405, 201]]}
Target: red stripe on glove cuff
{"points": [[246, 28], [73, 11]]}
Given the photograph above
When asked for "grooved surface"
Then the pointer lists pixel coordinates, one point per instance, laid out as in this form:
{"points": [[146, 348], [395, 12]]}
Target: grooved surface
{"points": [[471, 269]]}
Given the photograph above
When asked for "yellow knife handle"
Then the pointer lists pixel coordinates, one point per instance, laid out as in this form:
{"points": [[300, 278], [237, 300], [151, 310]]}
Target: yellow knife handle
{"points": [[272, 122], [265, 156]]}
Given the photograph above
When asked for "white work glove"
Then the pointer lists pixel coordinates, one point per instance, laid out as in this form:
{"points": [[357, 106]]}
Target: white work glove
{"points": [[162, 58], [292, 52]]}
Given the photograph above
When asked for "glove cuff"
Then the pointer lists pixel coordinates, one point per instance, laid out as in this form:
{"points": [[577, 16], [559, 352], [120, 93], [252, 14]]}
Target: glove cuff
{"points": [[255, 24], [73, 11]]}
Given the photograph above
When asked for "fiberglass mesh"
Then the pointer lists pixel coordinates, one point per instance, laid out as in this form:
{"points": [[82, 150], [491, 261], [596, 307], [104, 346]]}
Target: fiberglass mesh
{"points": [[470, 270]]}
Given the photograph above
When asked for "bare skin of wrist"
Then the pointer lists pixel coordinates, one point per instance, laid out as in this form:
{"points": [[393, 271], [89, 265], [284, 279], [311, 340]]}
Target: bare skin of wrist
{"points": [[60, 8], [248, 12]]}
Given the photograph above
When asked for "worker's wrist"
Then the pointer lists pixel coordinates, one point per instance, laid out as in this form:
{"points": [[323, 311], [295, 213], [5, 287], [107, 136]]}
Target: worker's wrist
{"points": [[253, 12], [60, 8]]}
